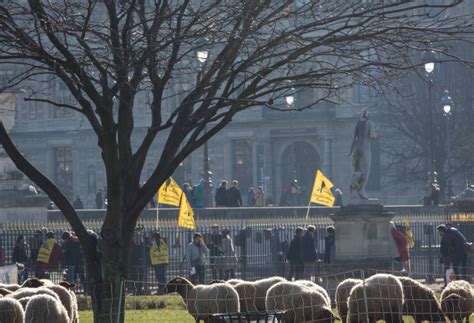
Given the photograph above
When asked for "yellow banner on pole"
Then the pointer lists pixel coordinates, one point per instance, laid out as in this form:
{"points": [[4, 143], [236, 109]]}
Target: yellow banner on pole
{"points": [[186, 214], [169, 193], [322, 190]]}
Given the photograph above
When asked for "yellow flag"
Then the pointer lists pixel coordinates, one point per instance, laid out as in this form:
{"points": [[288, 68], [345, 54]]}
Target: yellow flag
{"points": [[170, 193], [409, 234], [186, 214], [322, 190]]}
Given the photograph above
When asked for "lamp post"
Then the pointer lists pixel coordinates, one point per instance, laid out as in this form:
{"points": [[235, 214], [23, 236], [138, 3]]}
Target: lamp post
{"points": [[202, 53], [447, 104], [428, 58]]}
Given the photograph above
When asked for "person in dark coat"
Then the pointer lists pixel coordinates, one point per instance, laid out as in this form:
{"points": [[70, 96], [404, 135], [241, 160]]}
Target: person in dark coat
{"points": [[20, 255], [215, 252], [77, 204], [452, 250], [221, 195], [329, 242], [308, 250], [234, 198], [295, 257], [137, 263], [99, 200], [338, 197], [72, 257]]}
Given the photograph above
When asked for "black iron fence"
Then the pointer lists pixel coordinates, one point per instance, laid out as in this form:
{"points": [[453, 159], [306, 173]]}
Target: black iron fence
{"points": [[260, 246]]}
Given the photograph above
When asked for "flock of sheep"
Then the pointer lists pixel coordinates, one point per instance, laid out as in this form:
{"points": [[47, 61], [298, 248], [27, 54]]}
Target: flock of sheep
{"points": [[38, 301], [379, 297]]}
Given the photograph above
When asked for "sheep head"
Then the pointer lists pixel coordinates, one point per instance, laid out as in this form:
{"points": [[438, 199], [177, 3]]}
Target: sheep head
{"points": [[178, 285], [67, 285], [4, 291], [452, 304], [33, 283], [325, 315]]}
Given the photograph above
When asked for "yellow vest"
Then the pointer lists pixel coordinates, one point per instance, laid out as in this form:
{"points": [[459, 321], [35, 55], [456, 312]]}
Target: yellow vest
{"points": [[44, 252], [159, 256]]}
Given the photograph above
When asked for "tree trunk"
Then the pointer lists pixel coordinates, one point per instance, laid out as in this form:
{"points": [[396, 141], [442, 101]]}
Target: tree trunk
{"points": [[108, 292]]}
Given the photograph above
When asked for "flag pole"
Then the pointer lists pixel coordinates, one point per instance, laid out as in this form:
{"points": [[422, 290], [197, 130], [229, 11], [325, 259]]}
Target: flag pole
{"points": [[157, 212], [309, 206]]}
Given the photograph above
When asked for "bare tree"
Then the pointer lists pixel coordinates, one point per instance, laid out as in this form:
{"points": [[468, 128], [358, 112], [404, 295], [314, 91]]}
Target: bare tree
{"points": [[408, 115], [107, 52]]}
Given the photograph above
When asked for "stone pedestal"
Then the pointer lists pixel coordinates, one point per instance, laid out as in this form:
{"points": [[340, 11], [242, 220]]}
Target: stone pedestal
{"points": [[363, 237]]}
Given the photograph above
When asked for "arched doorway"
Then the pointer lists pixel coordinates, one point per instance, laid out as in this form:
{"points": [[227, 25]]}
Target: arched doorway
{"points": [[299, 162]]}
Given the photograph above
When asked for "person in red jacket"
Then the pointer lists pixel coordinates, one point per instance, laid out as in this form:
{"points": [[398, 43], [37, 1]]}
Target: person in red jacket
{"points": [[402, 246], [49, 256]]}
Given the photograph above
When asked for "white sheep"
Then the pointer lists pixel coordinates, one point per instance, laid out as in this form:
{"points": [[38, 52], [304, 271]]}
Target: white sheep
{"points": [[457, 300], [234, 281], [28, 292], [420, 301], [379, 297], [252, 294], [63, 290], [11, 311], [342, 294], [45, 309], [204, 300], [310, 284], [299, 303], [10, 287]]}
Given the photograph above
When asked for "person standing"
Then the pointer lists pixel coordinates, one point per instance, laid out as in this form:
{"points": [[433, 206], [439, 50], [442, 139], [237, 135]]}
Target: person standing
{"points": [[308, 250], [338, 197], [198, 194], [221, 195], [137, 262], [72, 257], [20, 255], [228, 259], [452, 250], [77, 204], [196, 259], [215, 251], [329, 244], [251, 197], [159, 259], [49, 256], [260, 197], [99, 199], [401, 243], [295, 257], [234, 198]]}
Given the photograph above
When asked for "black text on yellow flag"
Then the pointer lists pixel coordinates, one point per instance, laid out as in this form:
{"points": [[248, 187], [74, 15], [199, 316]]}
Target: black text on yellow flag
{"points": [[322, 190]]}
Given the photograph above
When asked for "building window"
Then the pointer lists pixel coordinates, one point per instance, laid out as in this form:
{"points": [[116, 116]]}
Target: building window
{"points": [[62, 96], [243, 163], [63, 167]]}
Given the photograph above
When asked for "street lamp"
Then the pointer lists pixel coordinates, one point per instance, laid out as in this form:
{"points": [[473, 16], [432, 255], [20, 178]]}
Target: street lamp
{"points": [[447, 104], [428, 58], [202, 54]]}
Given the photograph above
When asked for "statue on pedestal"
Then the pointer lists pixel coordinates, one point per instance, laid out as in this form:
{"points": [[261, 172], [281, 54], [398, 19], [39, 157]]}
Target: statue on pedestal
{"points": [[364, 133]]}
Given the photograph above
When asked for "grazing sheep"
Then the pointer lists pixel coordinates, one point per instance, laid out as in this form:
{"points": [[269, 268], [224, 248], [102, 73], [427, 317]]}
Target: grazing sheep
{"points": [[235, 281], [28, 292], [4, 291], [70, 287], [66, 297], [11, 311], [205, 300], [252, 294], [420, 301], [457, 300], [45, 309], [310, 284], [10, 287], [380, 297], [342, 294], [300, 303]]}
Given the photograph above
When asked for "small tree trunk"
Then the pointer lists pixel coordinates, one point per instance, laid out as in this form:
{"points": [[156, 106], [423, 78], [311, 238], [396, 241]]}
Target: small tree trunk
{"points": [[108, 295]]}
